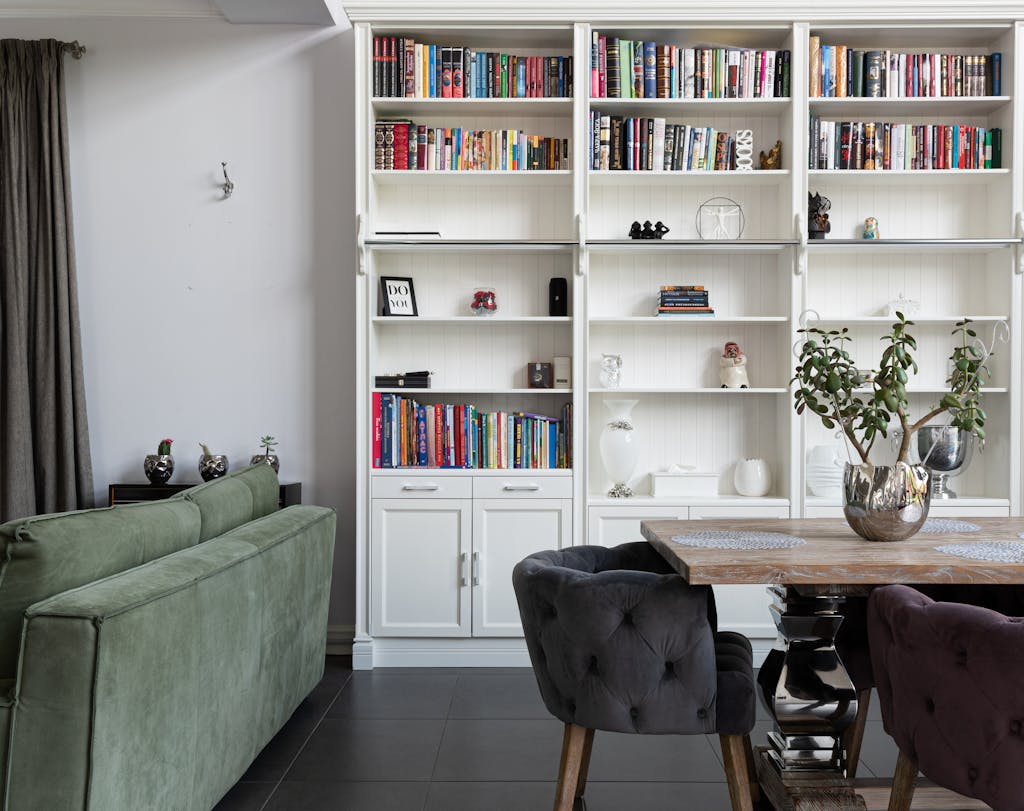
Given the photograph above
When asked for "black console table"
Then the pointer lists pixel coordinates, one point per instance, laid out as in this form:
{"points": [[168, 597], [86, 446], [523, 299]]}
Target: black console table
{"points": [[290, 493]]}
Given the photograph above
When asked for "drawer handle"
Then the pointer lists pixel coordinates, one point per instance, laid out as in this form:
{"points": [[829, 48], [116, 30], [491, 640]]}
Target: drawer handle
{"points": [[476, 568], [421, 487], [513, 488], [462, 570]]}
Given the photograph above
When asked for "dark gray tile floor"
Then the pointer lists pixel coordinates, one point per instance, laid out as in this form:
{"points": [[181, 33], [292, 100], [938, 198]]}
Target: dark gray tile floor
{"points": [[474, 740]]}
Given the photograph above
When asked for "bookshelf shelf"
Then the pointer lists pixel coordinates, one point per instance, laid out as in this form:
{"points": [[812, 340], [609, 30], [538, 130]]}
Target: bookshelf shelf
{"points": [[640, 246], [414, 177], [859, 109], [904, 177], [405, 472], [485, 322], [676, 321], [923, 245], [417, 245], [608, 177], [681, 108], [469, 390], [702, 390], [601, 500], [917, 319], [408, 107]]}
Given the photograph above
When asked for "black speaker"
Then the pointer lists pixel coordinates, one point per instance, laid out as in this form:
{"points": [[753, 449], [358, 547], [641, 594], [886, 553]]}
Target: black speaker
{"points": [[558, 296]]}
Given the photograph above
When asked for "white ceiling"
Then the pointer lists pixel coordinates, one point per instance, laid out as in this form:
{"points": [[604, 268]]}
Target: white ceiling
{"points": [[305, 12]]}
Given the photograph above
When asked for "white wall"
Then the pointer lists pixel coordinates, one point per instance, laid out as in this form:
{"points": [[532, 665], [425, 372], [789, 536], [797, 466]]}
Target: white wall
{"points": [[206, 319]]}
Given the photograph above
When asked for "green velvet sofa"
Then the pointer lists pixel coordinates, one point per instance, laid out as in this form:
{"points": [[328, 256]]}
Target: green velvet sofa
{"points": [[149, 651]]}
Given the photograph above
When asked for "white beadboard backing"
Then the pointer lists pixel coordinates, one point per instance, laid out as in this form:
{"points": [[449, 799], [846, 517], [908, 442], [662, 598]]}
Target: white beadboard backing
{"points": [[484, 357], [476, 206], [445, 282], [738, 284], [709, 432]]}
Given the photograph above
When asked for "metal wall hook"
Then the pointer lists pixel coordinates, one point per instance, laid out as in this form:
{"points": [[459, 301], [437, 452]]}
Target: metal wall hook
{"points": [[228, 187]]}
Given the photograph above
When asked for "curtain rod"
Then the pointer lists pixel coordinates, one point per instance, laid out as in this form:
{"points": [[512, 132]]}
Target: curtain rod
{"points": [[74, 48]]}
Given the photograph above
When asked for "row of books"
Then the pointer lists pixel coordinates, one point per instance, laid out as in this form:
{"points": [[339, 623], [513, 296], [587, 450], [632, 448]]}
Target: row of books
{"points": [[404, 68], [655, 145], [403, 144], [886, 145], [683, 301], [843, 71], [407, 433], [635, 69]]}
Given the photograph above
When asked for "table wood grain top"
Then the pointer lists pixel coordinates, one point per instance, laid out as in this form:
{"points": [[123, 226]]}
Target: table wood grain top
{"points": [[834, 554]]}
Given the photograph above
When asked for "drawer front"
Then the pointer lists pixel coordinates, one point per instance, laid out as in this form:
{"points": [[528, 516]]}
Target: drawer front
{"points": [[422, 487], [944, 510], [522, 487], [738, 511]]}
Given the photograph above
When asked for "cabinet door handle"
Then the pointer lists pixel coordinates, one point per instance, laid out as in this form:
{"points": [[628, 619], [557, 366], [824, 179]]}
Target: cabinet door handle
{"points": [[462, 570], [476, 568], [512, 488], [429, 487]]}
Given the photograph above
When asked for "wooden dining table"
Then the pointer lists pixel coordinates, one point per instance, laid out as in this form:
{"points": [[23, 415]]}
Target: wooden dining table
{"points": [[803, 681]]}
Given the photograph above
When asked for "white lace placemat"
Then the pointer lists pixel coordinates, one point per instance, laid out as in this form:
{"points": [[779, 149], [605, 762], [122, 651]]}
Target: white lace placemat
{"points": [[722, 539], [939, 525], [1000, 551]]}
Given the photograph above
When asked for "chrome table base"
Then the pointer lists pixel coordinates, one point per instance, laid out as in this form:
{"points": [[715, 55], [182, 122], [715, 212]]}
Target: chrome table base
{"points": [[804, 684]]}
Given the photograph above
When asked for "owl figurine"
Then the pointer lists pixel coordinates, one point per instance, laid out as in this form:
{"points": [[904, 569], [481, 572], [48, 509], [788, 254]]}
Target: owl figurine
{"points": [[870, 228]]}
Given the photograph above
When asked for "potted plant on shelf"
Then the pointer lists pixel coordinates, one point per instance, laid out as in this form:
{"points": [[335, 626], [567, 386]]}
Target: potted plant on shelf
{"points": [[267, 457], [211, 465], [160, 465], [886, 502]]}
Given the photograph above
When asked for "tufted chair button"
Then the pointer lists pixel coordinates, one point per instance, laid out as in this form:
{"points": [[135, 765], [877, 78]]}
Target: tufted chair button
{"points": [[627, 618], [1015, 727], [593, 665], [972, 774], [961, 656], [702, 713], [634, 712], [929, 705], [670, 668]]}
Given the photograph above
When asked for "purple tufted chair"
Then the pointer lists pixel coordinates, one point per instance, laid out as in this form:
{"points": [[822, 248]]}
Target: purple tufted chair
{"points": [[620, 642], [948, 677]]}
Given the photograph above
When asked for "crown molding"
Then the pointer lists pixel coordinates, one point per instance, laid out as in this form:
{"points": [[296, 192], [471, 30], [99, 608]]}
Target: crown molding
{"points": [[667, 11], [107, 11]]}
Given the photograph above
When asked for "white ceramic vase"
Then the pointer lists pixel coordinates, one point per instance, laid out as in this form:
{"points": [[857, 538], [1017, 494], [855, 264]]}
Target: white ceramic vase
{"points": [[619, 449], [753, 477]]}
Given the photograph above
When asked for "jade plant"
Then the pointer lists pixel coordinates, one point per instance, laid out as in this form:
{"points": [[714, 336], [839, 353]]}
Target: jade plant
{"points": [[866, 405], [164, 447]]}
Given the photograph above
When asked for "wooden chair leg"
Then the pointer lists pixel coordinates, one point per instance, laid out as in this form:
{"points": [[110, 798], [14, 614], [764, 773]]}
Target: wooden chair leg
{"points": [[755, 787], [734, 757], [574, 741], [853, 737], [581, 780], [903, 783]]}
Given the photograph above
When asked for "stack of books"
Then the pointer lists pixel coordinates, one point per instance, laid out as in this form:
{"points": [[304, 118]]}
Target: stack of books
{"points": [[683, 300], [405, 380], [657, 145]]}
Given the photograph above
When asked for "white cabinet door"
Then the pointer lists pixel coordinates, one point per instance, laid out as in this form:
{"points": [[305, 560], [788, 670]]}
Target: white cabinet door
{"points": [[504, 532], [611, 526], [743, 608], [419, 567]]}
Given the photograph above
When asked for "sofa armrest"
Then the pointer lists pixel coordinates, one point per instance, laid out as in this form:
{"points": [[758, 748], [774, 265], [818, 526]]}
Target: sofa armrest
{"points": [[156, 687]]}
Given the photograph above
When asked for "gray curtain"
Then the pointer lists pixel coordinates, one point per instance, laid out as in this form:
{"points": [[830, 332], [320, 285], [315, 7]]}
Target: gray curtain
{"points": [[44, 437]]}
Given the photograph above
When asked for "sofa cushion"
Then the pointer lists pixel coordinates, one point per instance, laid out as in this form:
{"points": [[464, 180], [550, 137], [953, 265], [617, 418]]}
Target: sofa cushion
{"points": [[235, 499], [46, 554]]}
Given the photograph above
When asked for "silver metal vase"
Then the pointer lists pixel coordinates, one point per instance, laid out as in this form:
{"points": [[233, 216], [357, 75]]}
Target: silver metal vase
{"points": [[158, 467], [946, 451], [885, 502], [213, 466], [266, 459]]}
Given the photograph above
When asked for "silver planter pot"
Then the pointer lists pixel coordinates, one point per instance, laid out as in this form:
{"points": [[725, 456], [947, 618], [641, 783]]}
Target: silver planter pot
{"points": [[158, 467], [885, 502], [213, 466], [266, 459]]}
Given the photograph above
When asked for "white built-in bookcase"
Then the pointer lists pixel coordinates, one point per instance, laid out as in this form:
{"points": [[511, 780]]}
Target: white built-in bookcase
{"points": [[951, 240]]}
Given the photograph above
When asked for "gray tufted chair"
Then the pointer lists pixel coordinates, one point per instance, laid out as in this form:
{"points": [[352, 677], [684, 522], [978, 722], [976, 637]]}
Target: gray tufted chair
{"points": [[948, 677], [620, 642]]}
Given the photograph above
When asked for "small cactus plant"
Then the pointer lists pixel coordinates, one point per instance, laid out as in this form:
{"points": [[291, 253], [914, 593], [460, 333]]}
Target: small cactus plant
{"points": [[164, 448]]}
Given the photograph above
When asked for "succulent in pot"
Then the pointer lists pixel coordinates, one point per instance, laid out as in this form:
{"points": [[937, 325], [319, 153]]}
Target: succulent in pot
{"points": [[886, 502], [268, 457], [159, 466]]}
